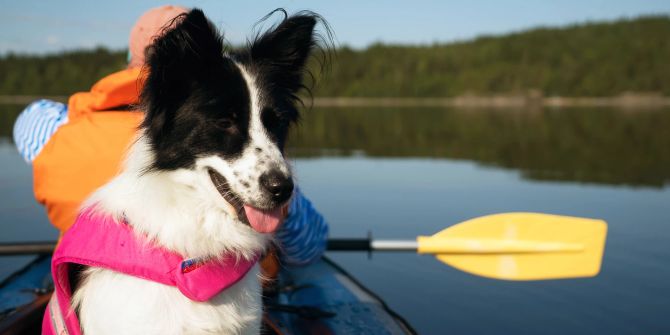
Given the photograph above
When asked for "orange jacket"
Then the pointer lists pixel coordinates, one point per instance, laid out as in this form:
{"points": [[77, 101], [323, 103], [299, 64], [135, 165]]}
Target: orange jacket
{"points": [[87, 151]]}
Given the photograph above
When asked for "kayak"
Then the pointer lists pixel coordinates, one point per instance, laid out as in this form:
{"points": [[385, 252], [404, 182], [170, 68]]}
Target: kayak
{"points": [[321, 298], [24, 296]]}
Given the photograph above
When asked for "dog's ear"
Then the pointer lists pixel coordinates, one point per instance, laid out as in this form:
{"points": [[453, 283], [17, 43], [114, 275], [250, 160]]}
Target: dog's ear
{"points": [[190, 42], [186, 51], [284, 49]]}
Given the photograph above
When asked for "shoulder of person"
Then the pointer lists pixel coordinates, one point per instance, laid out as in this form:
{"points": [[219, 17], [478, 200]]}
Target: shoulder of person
{"points": [[36, 124]]}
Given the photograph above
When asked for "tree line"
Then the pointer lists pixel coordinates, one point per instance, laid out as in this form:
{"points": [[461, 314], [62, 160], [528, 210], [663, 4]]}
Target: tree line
{"points": [[591, 59]]}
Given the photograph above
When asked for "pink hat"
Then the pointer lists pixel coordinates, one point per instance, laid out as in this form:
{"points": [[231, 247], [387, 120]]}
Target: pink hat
{"points": [[147, 28]]}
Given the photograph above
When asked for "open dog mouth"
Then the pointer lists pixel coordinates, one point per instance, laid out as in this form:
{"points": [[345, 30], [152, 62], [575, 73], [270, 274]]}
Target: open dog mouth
{"points": [[262, 221], [222, 186]]}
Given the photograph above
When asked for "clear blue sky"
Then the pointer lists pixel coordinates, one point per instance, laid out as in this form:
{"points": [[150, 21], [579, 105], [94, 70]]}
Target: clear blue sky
{"points": [[49, 26]]}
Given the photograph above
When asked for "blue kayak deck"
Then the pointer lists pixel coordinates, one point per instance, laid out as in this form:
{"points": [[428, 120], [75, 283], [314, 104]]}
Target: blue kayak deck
{"points": [[23, 296], [329, 288]]}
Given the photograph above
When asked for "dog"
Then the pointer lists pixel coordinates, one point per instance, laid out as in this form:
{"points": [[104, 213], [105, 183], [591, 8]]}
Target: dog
{"points": [[206, 176]]}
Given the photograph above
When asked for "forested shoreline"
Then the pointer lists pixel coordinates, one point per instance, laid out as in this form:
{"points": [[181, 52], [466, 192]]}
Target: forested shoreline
{"points": [[586, 60]]}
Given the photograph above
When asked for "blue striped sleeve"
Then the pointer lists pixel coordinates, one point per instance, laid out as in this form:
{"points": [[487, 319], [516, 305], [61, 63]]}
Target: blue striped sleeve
{"points": [[303, 236], [36, 124]]}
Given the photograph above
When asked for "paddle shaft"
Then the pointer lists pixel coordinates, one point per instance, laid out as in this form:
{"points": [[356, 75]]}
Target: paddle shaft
{"points": [[27, 248], [353, 244], [423, 245], [336, 244]]}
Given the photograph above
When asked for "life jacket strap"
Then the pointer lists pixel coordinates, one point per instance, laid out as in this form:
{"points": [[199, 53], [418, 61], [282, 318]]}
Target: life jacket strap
{"points": [[56, 316]]}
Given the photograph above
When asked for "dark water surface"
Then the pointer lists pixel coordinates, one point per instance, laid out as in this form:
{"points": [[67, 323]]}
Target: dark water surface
{"points": [[401, 172]]}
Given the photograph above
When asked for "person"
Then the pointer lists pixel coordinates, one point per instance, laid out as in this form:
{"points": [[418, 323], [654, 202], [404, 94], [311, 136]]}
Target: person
{"points": [[75, 148]]}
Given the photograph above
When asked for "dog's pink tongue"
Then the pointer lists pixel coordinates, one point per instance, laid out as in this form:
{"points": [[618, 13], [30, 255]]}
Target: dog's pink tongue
{"points": [[263, 221]]}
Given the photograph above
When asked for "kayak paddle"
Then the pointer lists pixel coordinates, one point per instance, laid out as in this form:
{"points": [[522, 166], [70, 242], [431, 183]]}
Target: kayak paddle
{"points": [[511, 246]]}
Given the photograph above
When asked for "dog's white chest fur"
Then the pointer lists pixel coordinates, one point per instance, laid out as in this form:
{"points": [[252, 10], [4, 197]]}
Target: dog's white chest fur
{"points": [[179, 210], [114, 303]]}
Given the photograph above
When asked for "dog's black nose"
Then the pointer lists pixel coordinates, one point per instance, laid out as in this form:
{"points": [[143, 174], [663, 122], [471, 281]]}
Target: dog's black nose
{"points": [[279, 186]]}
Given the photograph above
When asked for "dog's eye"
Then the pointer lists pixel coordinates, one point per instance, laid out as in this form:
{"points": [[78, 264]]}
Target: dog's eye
{"points": [[273, 118], [225, 124]]}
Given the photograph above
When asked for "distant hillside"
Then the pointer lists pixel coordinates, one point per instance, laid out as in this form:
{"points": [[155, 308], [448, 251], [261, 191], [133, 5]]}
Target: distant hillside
{"points": [[596, 59], [58, 74], [600, 59]]}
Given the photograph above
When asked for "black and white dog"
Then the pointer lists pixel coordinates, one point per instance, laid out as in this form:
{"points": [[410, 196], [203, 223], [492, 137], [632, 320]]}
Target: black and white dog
{"points": [[206, 176]]}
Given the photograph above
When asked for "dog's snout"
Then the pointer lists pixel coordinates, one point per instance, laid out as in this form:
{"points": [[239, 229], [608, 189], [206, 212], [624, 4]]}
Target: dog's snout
{"points": [[277, 184]]}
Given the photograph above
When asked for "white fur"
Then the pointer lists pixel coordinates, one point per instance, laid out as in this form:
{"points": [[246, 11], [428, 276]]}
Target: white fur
{"points": [[182, 211], [113, 303]]}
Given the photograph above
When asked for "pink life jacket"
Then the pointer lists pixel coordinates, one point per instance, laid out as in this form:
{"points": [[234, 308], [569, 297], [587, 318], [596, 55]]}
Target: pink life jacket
{"points": [[98, 240]]}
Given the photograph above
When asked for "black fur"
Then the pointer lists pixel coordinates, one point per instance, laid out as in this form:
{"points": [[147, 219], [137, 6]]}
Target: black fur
{"points": [[196, 100], [277, 58]]}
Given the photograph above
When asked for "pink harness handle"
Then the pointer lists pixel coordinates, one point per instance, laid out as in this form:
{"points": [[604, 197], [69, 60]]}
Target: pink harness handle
{"points": [[97, 240]]}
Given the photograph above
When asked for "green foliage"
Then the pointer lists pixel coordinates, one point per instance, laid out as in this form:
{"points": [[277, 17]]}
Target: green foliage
{"points": [[602, 59], [595, 59], [61, 74]]}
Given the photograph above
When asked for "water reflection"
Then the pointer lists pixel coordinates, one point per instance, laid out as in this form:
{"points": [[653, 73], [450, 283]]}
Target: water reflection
{"points": [[585, 145]]}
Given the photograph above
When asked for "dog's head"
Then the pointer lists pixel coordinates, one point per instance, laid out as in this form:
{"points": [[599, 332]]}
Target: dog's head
{"points": [[225, 114]]}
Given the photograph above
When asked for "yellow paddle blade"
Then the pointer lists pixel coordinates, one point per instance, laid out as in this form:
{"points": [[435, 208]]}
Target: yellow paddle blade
{"points": [[521, 246]]}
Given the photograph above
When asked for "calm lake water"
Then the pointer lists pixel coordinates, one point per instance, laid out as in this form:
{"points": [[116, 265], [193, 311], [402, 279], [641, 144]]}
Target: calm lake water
{"points": [[400, 172]]}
